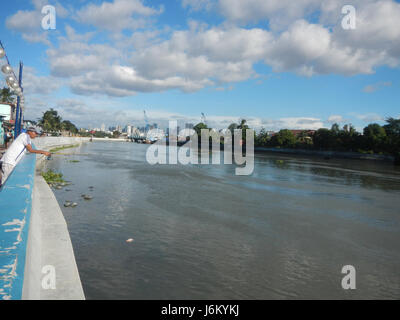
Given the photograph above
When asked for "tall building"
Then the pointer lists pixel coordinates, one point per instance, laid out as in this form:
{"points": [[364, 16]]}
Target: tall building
{"points": [[103, 128]]}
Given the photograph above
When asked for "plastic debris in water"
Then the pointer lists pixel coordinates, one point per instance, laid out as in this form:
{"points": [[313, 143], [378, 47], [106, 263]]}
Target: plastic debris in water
{"points": [[74, 205], [129, 240]]}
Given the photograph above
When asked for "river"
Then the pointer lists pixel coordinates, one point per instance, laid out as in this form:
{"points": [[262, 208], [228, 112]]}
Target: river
{"points": [[201, 232]]}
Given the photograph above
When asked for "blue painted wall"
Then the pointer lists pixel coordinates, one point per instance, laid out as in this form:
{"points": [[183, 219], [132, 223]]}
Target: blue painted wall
{"points": [[15, 213]]}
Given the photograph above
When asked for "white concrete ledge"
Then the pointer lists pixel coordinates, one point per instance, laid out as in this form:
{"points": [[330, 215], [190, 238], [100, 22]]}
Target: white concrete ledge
{"points": [[49, 243]]}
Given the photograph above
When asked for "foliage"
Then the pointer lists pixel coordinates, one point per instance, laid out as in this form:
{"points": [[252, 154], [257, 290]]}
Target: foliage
{"points": [[116, 134], [284, 138], [52, 122], [198, 127], [52, 177], [66, 125], [375, 139], [6, 95]]}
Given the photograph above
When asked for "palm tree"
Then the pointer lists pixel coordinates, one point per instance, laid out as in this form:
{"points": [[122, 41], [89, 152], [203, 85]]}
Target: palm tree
{"points": [[6, 95]]}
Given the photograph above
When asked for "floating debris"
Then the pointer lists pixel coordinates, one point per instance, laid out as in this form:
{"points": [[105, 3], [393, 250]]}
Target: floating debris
{"points": [[129, 240], [68, 204], [86, 197], [58, 187], [73, 205]]}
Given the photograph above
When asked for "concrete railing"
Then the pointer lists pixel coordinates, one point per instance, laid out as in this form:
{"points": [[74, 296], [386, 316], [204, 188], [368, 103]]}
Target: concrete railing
{"points": [[15, 214], [34, 238]]}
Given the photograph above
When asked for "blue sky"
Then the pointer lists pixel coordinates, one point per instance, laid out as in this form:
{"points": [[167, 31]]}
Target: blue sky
{"points": [[276, 63]]}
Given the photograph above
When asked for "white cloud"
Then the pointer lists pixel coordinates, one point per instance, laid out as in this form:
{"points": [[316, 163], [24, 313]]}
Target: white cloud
{"points": [[29, 22], [117, 15], [201, 56], [34, 84], [369, 117], [375, 87], [197, 5], [336, 119], [279, 13]]}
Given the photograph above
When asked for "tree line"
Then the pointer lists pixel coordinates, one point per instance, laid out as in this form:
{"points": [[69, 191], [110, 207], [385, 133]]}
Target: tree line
{"points": [[375, 138]]}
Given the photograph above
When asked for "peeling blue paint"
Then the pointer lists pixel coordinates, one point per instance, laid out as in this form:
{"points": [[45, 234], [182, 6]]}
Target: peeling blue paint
{"points": [[15, 213]]}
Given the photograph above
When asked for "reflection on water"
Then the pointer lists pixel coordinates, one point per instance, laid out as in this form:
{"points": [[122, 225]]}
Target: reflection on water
{"points": [[200, 232]]}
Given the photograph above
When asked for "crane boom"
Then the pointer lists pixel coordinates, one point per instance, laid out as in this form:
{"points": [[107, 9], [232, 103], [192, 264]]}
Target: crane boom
{"points": [[203, 118]]}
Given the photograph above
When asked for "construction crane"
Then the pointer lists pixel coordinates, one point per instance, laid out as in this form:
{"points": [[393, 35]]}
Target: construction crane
{"points": [[203, 119], [146, 120]]}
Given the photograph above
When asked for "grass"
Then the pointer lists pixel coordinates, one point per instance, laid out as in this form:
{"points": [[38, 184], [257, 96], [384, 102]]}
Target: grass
{"points": [[53, 177], [54, 150]]}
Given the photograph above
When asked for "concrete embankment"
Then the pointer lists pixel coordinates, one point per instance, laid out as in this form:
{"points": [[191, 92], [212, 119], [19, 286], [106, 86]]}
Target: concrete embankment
{"points": [[36, 254]]}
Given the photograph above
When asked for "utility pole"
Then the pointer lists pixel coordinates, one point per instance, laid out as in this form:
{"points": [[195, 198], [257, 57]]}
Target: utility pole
{"points": [[19, 116]]}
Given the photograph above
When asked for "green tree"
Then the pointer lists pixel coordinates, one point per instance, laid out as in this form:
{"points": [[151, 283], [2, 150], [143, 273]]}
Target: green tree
{"points": [[232, 127], [6, 95], [66, 125], [284, 138], [116, 134], [374, 137], [262, 139], [50, 121], [324, 139], [392, 129], [198, 127], [349, 138]]}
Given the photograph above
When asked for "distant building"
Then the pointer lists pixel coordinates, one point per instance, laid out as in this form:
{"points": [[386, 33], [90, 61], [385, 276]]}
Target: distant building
{"points": [[103, 128]]}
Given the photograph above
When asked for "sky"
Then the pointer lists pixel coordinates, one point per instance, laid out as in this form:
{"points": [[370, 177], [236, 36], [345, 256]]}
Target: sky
{"points": [[277, 63]]}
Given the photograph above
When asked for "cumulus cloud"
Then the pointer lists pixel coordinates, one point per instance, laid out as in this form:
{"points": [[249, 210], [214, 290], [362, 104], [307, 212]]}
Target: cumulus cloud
{"points": [[29, 22], [35, 84], [200, 56], [117, 15], [197, 5]]}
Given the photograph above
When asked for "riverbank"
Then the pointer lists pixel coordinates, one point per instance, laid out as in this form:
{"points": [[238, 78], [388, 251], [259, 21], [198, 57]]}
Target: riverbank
{"points": [[327, 154]]}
